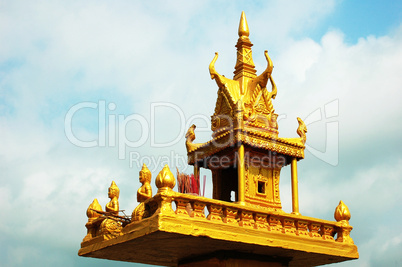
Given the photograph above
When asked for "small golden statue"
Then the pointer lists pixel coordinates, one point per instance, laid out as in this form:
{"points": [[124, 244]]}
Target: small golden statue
{"points": [[113, 205], [143, 193], [111, 228]]}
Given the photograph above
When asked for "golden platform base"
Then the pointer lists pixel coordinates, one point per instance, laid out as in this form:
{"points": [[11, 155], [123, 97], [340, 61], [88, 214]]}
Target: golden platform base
{"points": [[172, 238]]}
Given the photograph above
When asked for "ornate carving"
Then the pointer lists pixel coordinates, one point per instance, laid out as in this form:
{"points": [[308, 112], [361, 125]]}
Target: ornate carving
{"points": [[276, 177], [215, 123], [215, 213], [302, 228], [198, 209], [110, 228], [273, 121], [246, 219], [314, 230], [245, 56], [327, 232], [247, 176], [230, 215], [289, 226], [224, 103], [262, 185], [260, 221], [181, 205], [275, 223]]}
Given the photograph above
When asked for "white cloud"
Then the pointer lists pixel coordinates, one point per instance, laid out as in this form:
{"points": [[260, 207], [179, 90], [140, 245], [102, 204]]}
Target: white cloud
{"points": [[362, 76]]}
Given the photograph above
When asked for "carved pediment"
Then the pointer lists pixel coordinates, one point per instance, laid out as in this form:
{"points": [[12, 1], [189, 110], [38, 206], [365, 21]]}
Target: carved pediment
{"points": [[224, 104]]}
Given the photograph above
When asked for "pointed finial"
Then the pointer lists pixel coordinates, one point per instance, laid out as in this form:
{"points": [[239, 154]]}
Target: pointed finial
{"points": [[244, 68], [243, 27], [165, 180], [94, 206], [342, 212]]}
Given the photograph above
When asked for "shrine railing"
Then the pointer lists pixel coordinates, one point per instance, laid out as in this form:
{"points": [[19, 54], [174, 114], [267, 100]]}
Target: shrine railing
{"points": [[248, 217], [104, 225]]}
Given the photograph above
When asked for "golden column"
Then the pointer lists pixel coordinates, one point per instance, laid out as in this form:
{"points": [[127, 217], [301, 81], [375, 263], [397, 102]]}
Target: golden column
{"points": [[241, 176], [295, 193]]}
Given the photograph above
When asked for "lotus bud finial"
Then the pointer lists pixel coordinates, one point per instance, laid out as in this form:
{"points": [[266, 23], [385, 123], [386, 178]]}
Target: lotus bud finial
{"points": [[342, 212]]}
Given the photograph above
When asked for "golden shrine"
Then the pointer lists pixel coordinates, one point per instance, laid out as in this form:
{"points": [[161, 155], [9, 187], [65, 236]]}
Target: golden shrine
{"points": [[245, 156]]}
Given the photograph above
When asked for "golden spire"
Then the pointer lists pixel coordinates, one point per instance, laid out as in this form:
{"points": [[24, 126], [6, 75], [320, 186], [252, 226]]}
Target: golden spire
{"points": [[244, 65], [243, 26]]}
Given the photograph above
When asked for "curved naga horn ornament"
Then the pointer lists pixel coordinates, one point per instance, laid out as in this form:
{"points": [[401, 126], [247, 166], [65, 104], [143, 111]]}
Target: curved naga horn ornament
{"points": [[214, 74], [212, 70], [190, 137], [274, 90], [268, 72], [262, 79], [270, 66], [302, 130]]}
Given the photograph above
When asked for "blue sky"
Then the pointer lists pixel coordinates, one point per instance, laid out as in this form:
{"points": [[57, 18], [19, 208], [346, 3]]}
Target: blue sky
{"points": [[338, 66]]}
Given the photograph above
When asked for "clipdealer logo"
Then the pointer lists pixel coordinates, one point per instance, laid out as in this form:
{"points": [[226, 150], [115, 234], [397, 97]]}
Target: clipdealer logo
{"points": [[112, 131]]}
